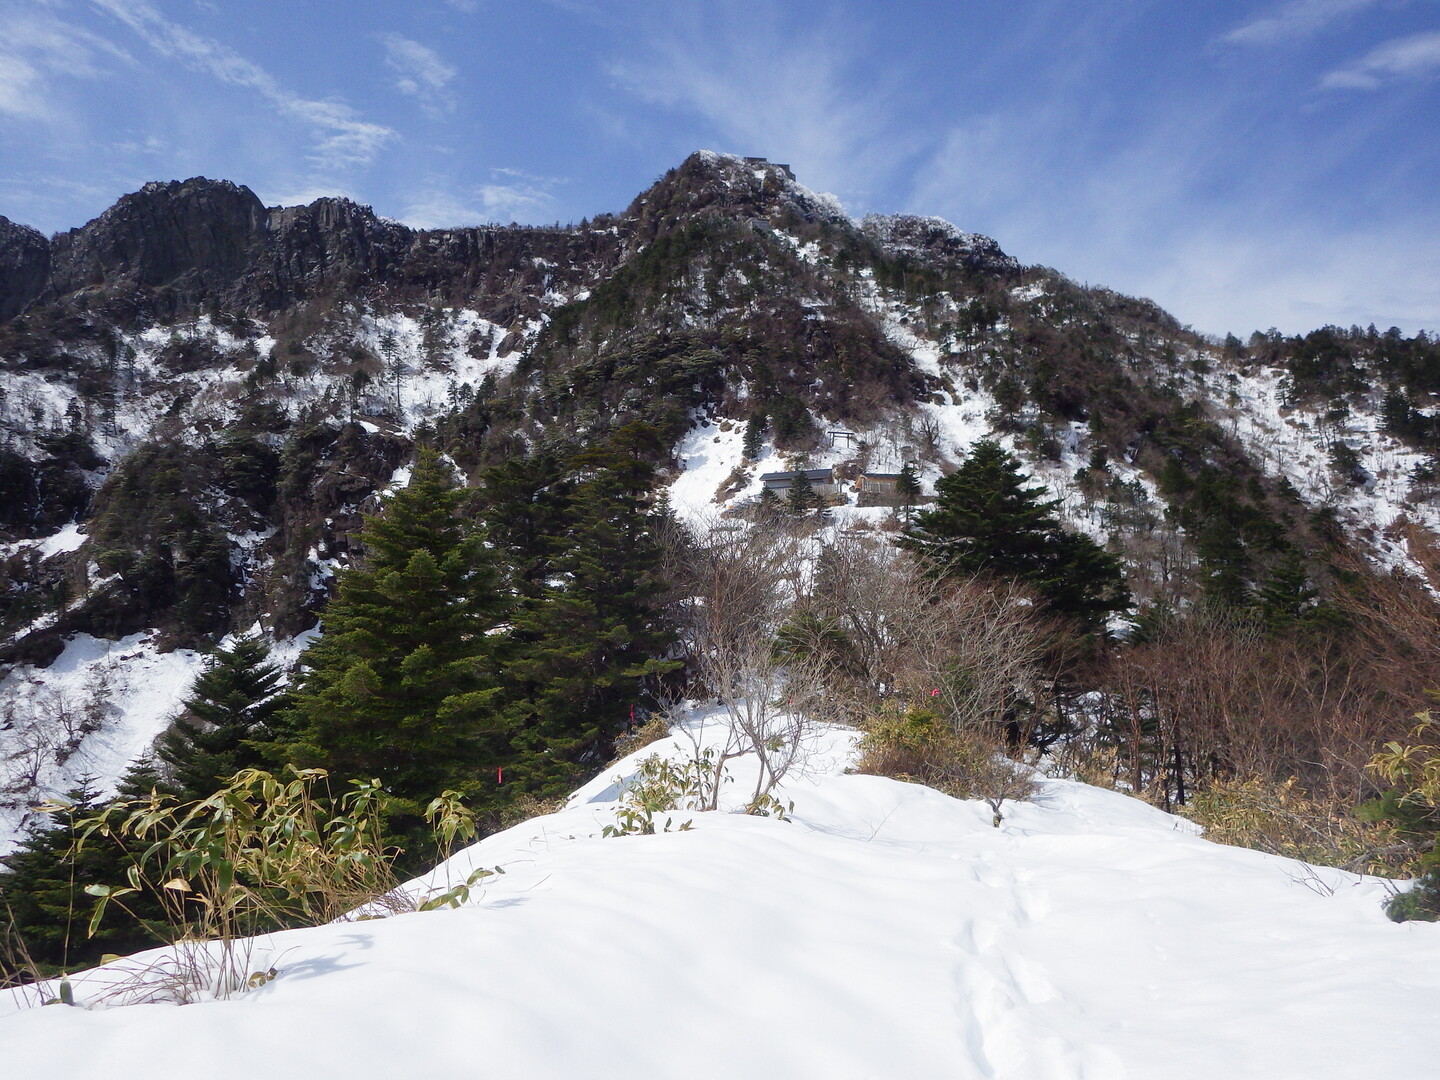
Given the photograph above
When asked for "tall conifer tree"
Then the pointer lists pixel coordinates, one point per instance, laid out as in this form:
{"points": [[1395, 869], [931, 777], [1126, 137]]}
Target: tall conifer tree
{"points": [[401, 684], [585, 645], [986, 520], [44, 910], [227, 713]]}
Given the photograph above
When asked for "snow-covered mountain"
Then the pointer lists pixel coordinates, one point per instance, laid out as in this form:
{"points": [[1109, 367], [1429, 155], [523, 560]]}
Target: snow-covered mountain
{"points": [[885, 931], [200, 397]]}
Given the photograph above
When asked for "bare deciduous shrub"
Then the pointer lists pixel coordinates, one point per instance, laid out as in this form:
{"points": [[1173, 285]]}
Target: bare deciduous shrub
{"points": [[968, 649], [654, 729], [739, 584], [528, 806], [1211, 696]]}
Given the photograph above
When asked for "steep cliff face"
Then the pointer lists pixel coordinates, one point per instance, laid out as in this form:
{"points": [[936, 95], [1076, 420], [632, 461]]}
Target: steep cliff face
{"points": [[24, 266], [194, 239], [331, 242], [176, 249]]}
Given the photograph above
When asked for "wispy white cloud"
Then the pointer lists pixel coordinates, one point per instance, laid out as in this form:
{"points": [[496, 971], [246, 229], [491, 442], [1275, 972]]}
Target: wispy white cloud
{"points": [[343, 137], [466, 7], [22, 90], [1161, 215], [35, 49], [806, 96], [511, 195], [1295, 19], [1252, 274], [302, 194], [1413, 57], [422, 74]]}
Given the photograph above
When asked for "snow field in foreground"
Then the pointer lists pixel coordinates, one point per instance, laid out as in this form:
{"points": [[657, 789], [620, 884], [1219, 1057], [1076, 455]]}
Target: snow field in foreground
{"points": [[887, 931]]}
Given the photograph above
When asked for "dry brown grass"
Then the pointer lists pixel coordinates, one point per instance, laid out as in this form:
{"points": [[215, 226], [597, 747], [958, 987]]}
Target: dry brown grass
{"points": [[1279, 818]]}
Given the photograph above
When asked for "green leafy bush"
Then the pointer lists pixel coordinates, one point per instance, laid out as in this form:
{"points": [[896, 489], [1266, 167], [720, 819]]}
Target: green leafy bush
{"points": [[659, 785], [1413, 805]]}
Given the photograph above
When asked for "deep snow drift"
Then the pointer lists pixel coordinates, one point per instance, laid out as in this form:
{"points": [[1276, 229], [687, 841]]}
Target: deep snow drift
{"points": [[886, 931]]}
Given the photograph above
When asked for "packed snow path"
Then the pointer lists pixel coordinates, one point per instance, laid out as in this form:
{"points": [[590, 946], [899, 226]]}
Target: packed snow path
{"points": [[888, 931]]}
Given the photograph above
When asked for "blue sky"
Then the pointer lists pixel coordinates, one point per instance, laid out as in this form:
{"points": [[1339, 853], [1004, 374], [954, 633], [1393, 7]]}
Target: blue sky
{"points": [[1247, 164]]}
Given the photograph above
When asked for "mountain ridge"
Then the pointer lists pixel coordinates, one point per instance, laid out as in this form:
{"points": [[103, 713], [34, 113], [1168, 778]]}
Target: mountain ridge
{"points": [[190, 438]]}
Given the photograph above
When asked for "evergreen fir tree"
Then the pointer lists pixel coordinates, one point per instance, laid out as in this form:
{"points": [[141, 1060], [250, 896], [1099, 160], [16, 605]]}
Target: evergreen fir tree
{"points": [[401, 684], [1397, 414], [583, 650], [769, 509], [987, 521], [227, 713], [801, 499], [1225, 562], [1286, 596], [754, 440], [908, 487], [523, 503]]}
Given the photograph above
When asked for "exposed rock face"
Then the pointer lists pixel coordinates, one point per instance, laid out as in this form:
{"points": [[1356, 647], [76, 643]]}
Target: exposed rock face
{"points": [[175, 247], [193, 238], [331, 241], [24, 266]]}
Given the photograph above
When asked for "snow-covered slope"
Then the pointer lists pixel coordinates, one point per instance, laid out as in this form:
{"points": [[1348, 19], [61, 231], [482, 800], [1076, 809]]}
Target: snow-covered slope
{"points": [[886, 931]]}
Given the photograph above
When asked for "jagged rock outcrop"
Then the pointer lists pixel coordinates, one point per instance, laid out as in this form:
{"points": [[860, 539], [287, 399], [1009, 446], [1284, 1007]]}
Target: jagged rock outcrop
{"points": [[24, 266], [935, 240], [193, 238], [707, 183], [176, 247]]}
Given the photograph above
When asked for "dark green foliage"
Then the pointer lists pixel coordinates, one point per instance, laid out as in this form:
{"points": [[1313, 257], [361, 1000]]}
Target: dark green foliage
{"points": [[790, 421], [908, 487], [323, 473], [987, 521], [755, 429], [1346, 462], [770, 508], [36, 498], [1286, 598], [401, 685], [43, 906], [226, 715], [1323, 363], [156, 528], [589, 633], [249, 470], [523, 504], [1225, 508], [1419, 824], [1420, 902], [801, 499]]}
